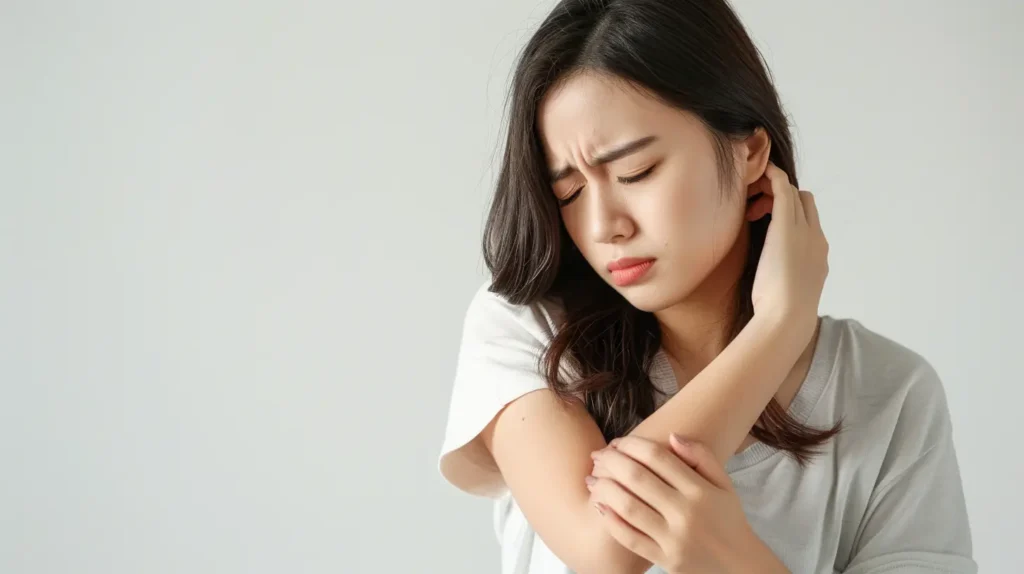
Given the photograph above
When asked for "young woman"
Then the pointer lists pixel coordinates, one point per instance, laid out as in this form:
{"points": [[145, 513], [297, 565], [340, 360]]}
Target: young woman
{"points": [[656, 274]]}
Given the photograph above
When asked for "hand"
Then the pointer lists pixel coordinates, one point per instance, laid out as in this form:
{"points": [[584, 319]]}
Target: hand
{"points": [[676, 508], [794, 262]]}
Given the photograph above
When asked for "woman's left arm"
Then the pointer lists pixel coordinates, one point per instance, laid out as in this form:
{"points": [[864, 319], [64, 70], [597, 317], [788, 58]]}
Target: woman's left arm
{"points": [[677, 509]]}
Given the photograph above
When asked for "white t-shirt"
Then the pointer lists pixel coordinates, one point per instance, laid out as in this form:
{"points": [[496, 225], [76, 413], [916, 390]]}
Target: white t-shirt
{"points": [[885, 495]]}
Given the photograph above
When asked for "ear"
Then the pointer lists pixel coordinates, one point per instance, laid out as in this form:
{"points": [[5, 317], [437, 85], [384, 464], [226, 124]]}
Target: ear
{"points": [[753, 153]]}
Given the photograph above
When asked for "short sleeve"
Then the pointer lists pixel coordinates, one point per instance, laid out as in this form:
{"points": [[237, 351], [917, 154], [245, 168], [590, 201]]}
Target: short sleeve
{"points": [[498, 362], [916, 521]]}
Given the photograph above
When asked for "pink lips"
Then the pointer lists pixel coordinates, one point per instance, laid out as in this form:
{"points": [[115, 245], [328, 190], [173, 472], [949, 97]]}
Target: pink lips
{"points": [[629, 269]]}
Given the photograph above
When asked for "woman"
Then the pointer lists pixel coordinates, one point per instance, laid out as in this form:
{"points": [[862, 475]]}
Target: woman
{"points": [[656, 275]]}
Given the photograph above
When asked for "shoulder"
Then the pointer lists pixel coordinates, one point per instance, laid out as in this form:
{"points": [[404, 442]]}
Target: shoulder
{"points": [[490, 315], [878, 366], [896, 450], [498, 362], [887, 389]]}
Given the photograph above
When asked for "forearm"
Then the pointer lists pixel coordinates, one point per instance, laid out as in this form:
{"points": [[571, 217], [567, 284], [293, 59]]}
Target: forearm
{"points": [[541, 444], [722, 402]]}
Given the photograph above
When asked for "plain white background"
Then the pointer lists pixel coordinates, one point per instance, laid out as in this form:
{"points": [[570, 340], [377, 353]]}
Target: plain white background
{"points": [[237, 240]]}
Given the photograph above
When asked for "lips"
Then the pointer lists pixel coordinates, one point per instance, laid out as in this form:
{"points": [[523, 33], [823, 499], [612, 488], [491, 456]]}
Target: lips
{"points": [[627, 262], [629, 270]]}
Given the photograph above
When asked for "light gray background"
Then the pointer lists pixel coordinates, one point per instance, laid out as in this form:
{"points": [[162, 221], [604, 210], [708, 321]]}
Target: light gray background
{"points": [[237, 240]]}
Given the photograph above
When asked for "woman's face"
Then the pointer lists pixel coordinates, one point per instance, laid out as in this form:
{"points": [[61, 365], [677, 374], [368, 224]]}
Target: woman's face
{"points": [[639, 179]]}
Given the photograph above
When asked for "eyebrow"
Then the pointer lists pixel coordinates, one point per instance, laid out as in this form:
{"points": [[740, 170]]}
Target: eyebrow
{"points": [[610, 155]]}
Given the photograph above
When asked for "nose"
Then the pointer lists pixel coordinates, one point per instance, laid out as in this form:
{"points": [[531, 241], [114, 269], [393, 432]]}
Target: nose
{"points": [[609, 220]]}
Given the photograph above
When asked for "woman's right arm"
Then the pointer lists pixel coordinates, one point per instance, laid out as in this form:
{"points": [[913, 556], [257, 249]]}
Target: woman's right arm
{"points": [[542, 446]]}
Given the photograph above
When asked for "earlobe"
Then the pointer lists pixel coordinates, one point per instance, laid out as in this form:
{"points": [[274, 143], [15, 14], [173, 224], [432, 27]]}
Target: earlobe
{"points": [[759, 207]]}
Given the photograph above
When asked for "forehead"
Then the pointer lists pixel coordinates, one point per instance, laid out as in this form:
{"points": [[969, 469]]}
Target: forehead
{"points": [[596, 111]]}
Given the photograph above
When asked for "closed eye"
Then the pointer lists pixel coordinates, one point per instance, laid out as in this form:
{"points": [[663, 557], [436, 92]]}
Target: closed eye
{"points": [[572, 197], [622, 179], [637, 177]]}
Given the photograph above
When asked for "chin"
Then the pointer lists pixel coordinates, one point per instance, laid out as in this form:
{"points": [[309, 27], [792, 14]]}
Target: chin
{"points": [[650, 297]]}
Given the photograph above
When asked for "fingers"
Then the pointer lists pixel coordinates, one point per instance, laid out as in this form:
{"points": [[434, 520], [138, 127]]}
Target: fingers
{"points": [[638, 478], [629, 537], [655, 459], [810, 209], [626, 505], [787, 200], [701, 459], [814, 220]]}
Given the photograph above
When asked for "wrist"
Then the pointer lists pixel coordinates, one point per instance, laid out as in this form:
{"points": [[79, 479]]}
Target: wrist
{"points": [[789, 330]]}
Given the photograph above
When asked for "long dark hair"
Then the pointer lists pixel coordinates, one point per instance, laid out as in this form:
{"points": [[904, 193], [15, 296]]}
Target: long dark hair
{"points": [[694, 55]]}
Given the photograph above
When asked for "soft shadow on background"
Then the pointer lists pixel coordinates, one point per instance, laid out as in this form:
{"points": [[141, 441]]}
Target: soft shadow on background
{"points": [[237, 240]]}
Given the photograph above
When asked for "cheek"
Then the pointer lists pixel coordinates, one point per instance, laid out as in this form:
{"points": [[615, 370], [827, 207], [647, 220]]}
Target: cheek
{"points": [[576, 228], [681, 210], [695, 225]]}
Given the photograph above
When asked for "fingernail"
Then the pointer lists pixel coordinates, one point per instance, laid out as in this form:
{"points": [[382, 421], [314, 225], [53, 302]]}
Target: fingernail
{"points": [[598, 506], [590, 480], [680, 440]]}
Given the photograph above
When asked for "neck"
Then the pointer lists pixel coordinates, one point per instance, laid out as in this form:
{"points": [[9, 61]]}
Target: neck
{"points": [[695, 330]]}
